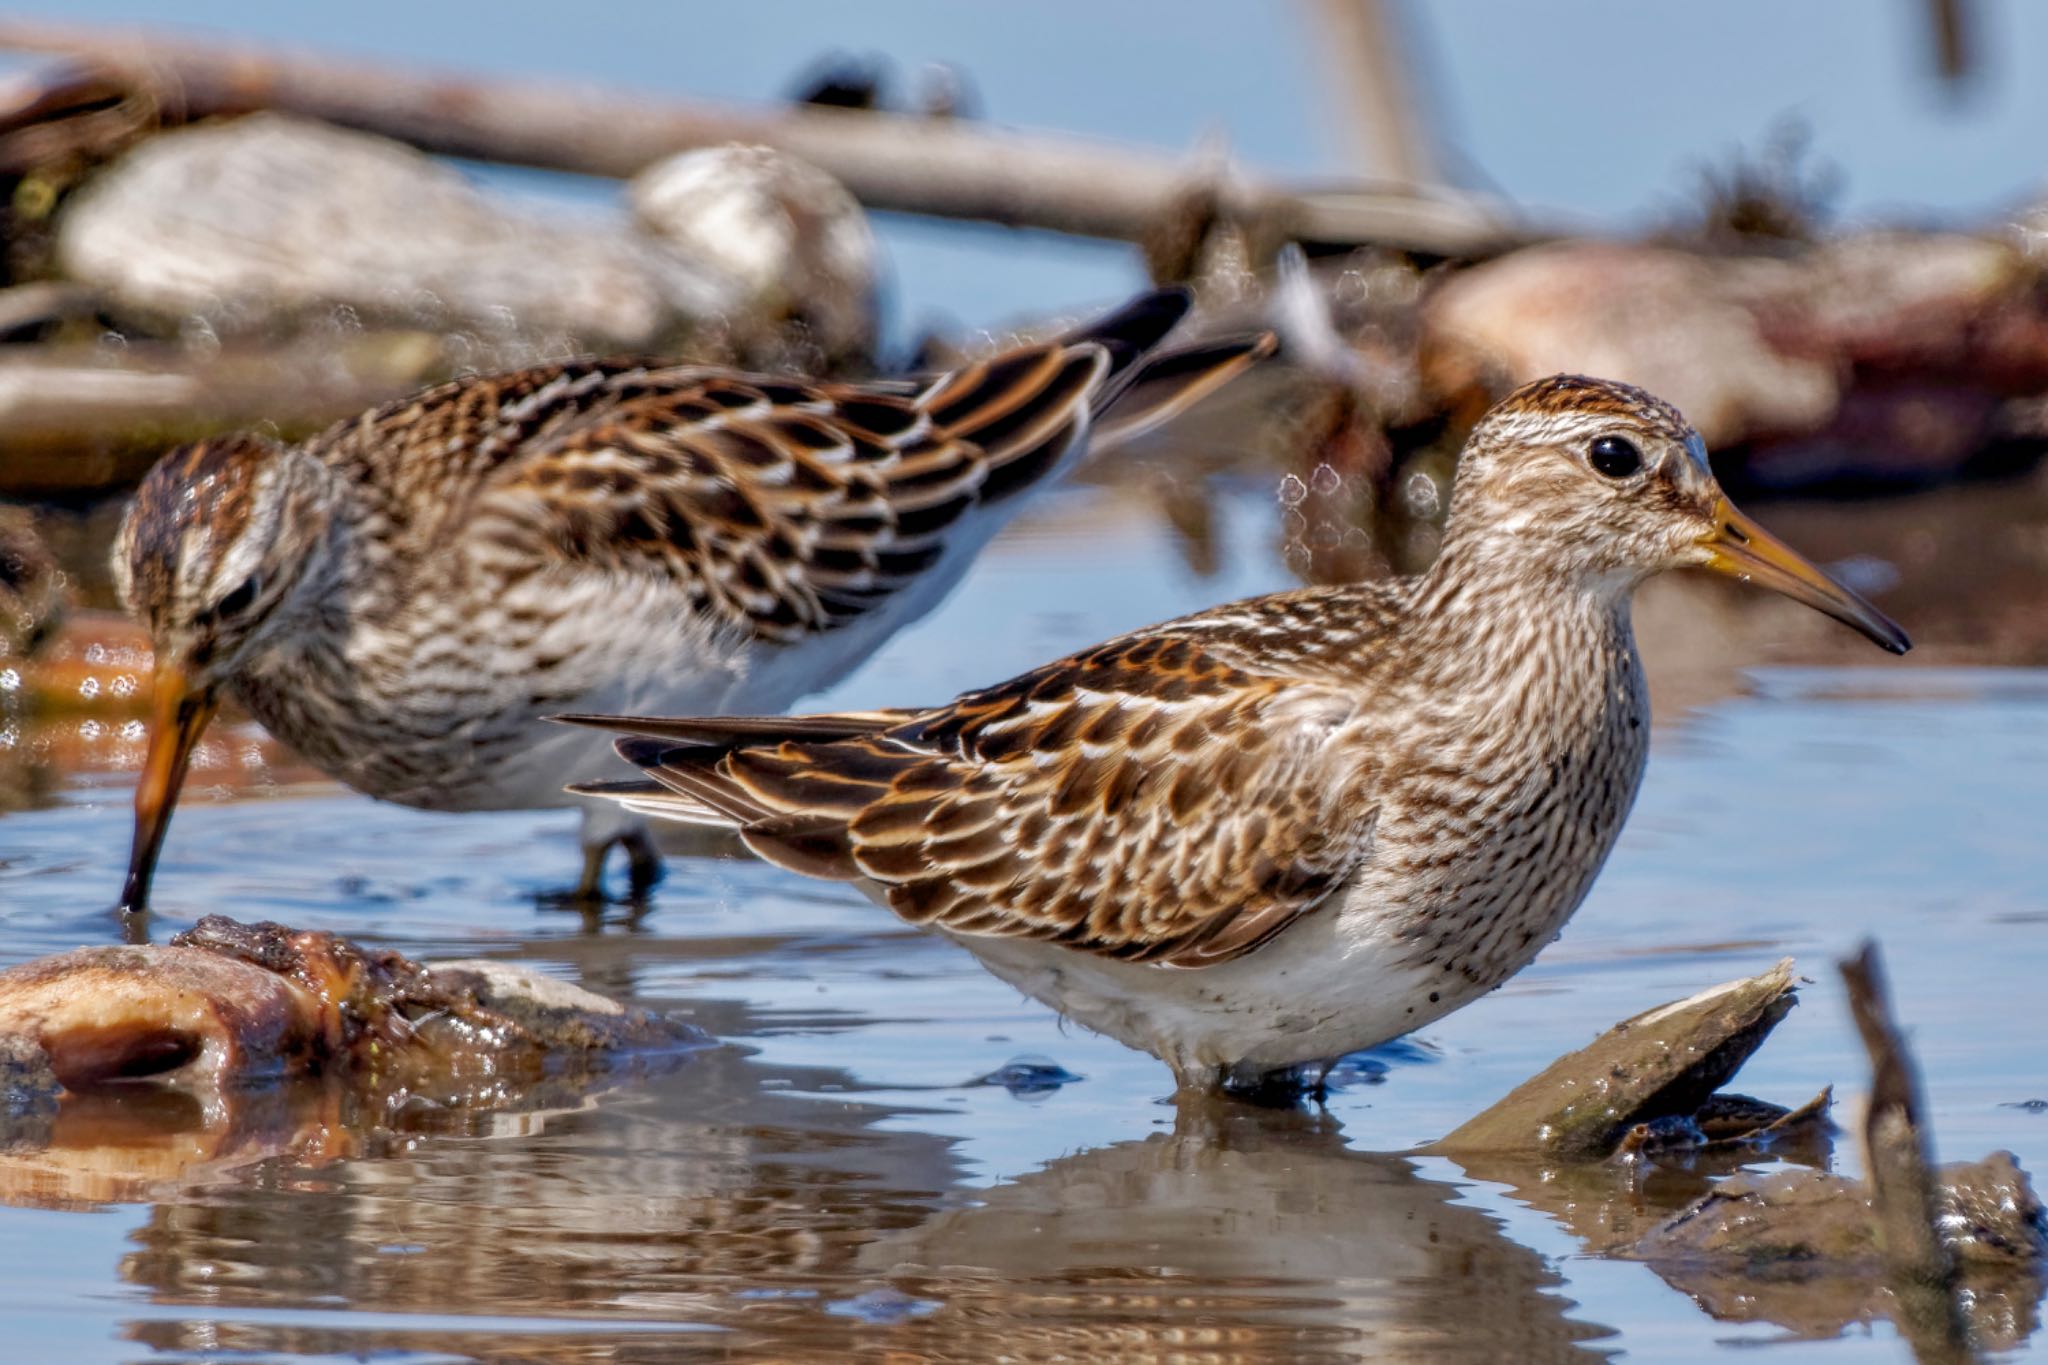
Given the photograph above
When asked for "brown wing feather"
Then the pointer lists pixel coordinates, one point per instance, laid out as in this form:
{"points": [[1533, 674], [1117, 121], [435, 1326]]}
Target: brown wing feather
{"points": [[1145, 800], [778, 507]]}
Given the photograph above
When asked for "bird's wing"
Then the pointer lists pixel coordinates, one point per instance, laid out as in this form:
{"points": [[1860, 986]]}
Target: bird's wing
{"points": [[783, 507], [1144, 800]]}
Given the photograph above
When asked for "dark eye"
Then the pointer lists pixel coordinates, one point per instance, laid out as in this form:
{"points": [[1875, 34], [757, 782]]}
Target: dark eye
{"points": [[1615, 456], [237, 602]]}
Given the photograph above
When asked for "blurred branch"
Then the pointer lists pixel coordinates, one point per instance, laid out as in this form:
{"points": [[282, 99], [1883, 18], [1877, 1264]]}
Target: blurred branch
{"points": [[61, 110], [1361, 42], [1953, 31], [73, 420], [947, 168]]}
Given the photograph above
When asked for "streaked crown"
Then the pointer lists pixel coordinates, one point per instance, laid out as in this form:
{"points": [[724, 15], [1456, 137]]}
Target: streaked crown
{"points": [[214, 540]]}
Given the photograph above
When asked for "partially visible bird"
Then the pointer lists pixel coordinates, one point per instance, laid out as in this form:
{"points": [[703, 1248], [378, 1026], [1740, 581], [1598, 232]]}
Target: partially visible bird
{"points": [[403, 597], [31, 586], [1258, 838]]}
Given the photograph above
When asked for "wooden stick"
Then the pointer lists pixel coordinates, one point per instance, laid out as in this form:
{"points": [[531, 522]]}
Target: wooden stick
{"points": [[73, 422], [1919, 1264], [941, 167]]}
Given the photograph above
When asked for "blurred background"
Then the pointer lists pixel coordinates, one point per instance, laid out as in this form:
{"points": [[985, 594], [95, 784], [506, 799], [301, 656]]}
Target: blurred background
{"points": [[1603, 115], [1818, 228]]}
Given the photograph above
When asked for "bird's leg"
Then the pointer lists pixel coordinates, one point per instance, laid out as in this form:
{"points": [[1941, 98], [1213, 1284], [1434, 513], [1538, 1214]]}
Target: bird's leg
{"points": [[643, 867], [602, 830], [590, 886], [643, 862]]}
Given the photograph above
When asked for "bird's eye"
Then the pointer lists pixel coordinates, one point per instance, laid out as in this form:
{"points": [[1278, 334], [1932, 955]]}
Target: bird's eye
{"points": [[238, 601], [1615, 456]]}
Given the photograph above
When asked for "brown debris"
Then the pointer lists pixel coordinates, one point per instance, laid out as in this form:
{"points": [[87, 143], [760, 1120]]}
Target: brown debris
{"points": [[1962, 1254], [1663, 1062], [1885, 355], [61, 116], [229, 1004], [1803, 1248], [128, 1070]]}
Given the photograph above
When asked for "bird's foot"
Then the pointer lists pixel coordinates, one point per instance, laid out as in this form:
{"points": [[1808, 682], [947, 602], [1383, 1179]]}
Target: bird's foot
{"points": [[589, 898], [1286, 1087]]}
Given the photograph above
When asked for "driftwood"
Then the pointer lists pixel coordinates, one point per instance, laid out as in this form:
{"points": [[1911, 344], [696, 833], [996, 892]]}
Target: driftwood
{"points": [[1894, 358], [1663, 1063], [63, 113], [945, 168], [75, 418], [1919, 1261]]}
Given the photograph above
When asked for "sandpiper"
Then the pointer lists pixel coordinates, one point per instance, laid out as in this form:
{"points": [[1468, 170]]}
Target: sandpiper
{"points": [[403, 597], [1258, 838]]}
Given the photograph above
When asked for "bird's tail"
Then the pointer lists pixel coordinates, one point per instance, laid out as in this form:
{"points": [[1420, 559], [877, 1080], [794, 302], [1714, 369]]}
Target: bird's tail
{"points": [[1149, 383]]}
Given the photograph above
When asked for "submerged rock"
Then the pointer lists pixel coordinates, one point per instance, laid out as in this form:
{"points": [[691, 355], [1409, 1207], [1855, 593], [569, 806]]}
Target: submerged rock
{"points": [[1802, 1248], [1605, 1136], [1802, 1218]]}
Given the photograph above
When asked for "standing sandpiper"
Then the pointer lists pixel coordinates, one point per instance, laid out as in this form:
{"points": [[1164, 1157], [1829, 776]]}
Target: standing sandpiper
{"points": [[405, 596], [1258, 838]]}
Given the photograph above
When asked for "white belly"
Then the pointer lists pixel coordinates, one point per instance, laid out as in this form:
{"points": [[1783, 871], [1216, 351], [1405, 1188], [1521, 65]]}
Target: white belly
{"points": [[1331, 984]]}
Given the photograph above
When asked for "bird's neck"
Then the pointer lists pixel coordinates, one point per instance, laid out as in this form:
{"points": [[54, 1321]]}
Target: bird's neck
{"points": [[1489, 612]]}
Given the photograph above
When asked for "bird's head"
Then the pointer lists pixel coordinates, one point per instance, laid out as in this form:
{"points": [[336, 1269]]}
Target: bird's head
{"points": [[1607, 485], [220, 535]]}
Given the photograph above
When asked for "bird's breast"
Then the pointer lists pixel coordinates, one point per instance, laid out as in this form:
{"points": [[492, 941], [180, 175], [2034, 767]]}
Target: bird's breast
{"points": [[1494, 823]]}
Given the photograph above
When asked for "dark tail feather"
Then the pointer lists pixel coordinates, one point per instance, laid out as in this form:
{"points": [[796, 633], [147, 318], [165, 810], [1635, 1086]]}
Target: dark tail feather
{"points": [[1132, 331], [723, 732], [1170, 382]]}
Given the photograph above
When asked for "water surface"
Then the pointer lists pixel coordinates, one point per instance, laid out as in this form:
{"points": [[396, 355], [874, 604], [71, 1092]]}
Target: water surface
{"points": [[836, 1178]]}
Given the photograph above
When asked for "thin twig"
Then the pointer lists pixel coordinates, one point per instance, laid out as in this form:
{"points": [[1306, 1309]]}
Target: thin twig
{"points": [[1920, 1265]]}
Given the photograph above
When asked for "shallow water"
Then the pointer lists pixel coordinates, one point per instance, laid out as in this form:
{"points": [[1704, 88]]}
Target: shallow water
{"points": [[835, 1178]]}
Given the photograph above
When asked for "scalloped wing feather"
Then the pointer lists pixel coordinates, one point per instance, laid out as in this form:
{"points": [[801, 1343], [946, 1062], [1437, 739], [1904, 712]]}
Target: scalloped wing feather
{"points": [[780, 508], [1144, 801], [777, 507]]}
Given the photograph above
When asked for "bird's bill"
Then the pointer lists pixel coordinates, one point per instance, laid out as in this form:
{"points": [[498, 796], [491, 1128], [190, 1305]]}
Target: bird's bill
{"points": [[178, 716], [1742, 549]]}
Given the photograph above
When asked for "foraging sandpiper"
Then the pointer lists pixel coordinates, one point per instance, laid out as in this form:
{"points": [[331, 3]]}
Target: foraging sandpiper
{"points": [[1257, 838], [403, 597]]}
